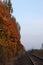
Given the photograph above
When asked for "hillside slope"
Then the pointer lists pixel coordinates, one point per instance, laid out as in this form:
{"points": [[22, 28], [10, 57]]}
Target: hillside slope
{"points": [[10, 44]]}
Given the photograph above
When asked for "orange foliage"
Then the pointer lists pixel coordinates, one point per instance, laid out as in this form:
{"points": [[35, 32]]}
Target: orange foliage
{"points": [[10, 44]]}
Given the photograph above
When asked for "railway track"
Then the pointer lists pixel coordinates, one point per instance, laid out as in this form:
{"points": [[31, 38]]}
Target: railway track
{"points": [[29, 59], [36, 60], [26, 59]]}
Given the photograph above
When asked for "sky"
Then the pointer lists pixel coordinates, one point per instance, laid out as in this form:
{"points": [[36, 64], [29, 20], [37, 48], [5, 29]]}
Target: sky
{"points": [[29, 14]]}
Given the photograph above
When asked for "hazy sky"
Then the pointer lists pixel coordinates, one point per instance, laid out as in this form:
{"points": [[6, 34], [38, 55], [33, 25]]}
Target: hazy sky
{"points": [[29, 14]]}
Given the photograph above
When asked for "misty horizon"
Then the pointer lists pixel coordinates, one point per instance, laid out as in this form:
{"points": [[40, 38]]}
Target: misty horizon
{"points": [[29, 14]]}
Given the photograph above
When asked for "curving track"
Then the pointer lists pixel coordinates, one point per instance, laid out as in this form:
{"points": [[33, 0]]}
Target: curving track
{"points": [[26, 59], [23, 60], [36, 60], [29, 59]]}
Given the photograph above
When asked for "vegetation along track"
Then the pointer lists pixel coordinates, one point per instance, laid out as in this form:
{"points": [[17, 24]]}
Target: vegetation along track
{"points": [[24, 60], [29, 59]]}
